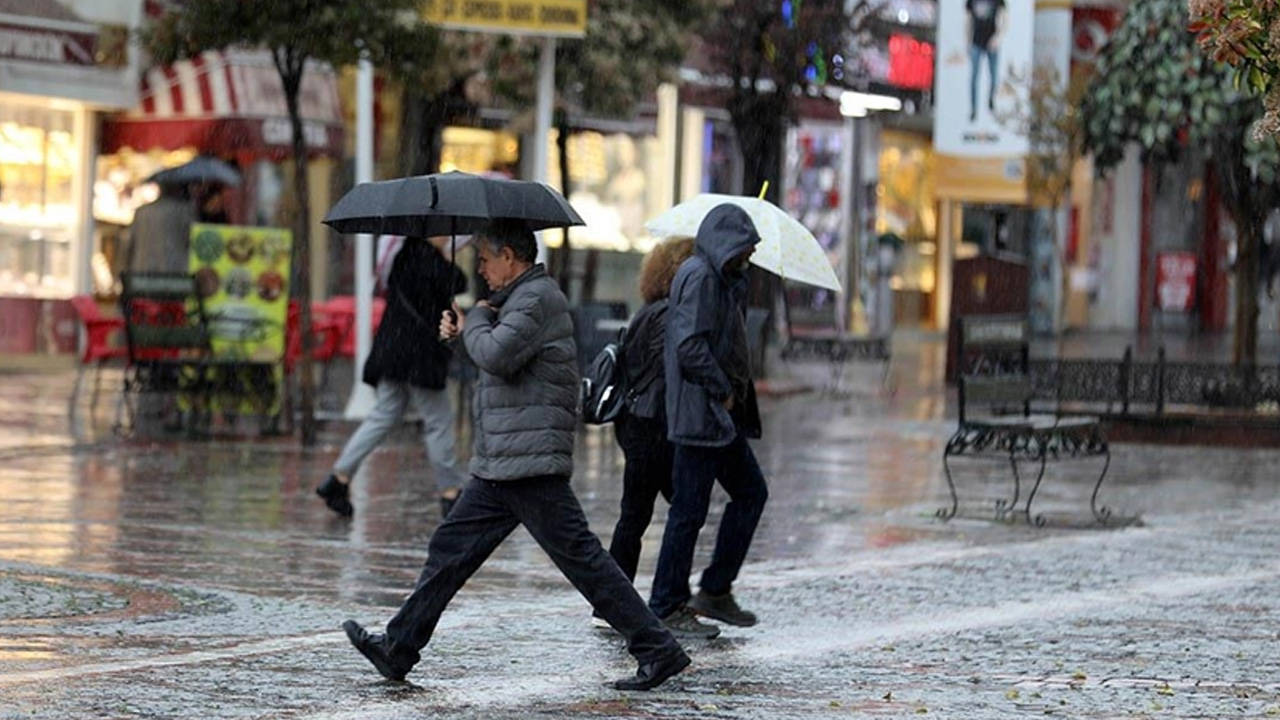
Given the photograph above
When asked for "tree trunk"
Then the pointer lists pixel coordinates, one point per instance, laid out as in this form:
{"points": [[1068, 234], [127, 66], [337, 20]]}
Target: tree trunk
{"points": [[560, 258], [759, 122], [1245, 345], [302, 260]]}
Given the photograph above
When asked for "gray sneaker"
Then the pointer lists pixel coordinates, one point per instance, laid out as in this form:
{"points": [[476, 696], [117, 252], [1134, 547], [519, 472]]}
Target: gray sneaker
{"points": [[683, 623], [721, 607]]}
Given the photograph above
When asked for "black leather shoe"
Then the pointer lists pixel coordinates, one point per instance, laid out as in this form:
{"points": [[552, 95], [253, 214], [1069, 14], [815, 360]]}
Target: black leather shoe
{"points": [[721, 607], [336, 495], [652, 674], [377, 650]]}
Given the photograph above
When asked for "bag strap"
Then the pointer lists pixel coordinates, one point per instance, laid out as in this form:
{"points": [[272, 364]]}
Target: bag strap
{"points": [[417, 316]]}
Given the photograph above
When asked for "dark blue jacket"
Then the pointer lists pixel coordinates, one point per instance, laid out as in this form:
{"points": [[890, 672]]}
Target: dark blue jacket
{"points": [[706, 332]]}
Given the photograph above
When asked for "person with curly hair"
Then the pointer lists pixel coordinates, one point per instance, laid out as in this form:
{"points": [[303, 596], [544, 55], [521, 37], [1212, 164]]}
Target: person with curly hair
{"points": [[641, 429]]}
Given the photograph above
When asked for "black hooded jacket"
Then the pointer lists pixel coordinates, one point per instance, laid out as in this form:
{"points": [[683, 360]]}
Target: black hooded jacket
{"points": [[706, 348]]}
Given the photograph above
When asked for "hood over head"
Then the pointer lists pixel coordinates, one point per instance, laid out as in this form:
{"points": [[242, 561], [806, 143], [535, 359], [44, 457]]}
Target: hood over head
{"points": [[725, 233]]}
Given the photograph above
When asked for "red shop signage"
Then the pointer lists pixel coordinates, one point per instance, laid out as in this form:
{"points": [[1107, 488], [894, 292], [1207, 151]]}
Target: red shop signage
{"points": [[1176, 281]]}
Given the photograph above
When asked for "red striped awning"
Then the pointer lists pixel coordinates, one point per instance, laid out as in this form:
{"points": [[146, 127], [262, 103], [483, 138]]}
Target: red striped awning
{"points": [[229, 103]]}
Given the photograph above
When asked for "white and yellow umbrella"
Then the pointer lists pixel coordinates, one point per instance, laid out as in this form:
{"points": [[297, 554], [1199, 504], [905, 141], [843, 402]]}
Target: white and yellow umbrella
{"points": [[786, 247]]}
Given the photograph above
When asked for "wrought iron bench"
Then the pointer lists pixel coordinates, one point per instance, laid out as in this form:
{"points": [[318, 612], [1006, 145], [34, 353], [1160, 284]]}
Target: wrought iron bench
{"points": [[994, 378]]}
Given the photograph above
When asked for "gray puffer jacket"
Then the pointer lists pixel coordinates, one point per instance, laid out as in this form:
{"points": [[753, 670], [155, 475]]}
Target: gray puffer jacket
{"points": [[526, 398]]}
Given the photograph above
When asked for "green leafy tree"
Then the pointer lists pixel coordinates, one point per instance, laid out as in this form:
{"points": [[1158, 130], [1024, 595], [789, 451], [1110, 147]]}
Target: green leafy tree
{"points": [[295, 32], [770, 52], [1154, 87], [629, 48], [1245, 34]]}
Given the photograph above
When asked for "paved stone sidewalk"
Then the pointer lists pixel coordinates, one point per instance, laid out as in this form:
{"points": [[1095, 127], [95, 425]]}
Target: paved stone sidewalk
{"points": [[184, 579]]}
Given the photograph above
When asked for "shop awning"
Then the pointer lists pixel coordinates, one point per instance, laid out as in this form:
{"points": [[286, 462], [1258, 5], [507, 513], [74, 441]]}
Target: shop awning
{"points": [[229, 103]]}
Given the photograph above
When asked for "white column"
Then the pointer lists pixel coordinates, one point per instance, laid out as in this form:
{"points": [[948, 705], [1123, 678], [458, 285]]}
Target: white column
{"points": [[542, 119], [850, 219], [946, 254], [361, 398], [84, 131], [668, 133]]}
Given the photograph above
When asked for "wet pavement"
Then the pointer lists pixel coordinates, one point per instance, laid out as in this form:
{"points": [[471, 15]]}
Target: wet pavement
{"points": [[178, 578]]}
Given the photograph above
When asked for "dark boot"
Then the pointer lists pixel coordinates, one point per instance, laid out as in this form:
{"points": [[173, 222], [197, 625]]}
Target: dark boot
{"points": [[721, 607], [652, 674], [336, 495], [377, 649], [684, 624]]}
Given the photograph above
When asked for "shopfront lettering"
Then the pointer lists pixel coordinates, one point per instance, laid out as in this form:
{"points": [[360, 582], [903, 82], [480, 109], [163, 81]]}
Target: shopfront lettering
{"points": [[561, 18], [38, 45], [277, 131], [482, 10], [551, 15]]}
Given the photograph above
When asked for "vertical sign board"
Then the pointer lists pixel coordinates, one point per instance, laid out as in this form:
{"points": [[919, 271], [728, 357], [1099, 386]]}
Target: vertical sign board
{"points": [[1176, 281], [242, 275], [984, 56], [543, 18]]}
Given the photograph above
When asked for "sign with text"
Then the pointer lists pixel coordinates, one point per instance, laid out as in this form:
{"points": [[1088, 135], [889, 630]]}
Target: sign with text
{"points": [[1176, 281], [69, 44], [548, 18]]}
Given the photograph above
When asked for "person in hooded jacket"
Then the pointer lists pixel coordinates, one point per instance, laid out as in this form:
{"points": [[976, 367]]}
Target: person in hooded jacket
{"points": [[711, 411], [408, 362], [641, 428]]}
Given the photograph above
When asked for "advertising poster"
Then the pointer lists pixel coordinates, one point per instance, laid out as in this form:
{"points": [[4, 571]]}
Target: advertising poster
{"points": [[242, 275], [984, 57], [812, 175]]}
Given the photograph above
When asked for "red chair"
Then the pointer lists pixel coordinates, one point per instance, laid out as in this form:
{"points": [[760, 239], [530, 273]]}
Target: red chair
{"points": [[98, 348], [343, 309], [326, 330]]}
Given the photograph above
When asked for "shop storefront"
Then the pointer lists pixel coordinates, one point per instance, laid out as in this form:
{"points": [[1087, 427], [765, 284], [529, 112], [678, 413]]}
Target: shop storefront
{"points": [[229, 105], [61, 63], [904, 247]]}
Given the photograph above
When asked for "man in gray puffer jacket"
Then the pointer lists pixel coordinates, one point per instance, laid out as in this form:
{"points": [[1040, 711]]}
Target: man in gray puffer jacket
{"points": [[521, 340]]}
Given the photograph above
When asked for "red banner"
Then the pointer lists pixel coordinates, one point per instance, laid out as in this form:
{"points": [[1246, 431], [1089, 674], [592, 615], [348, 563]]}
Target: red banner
{"points": [[1176, 281]]}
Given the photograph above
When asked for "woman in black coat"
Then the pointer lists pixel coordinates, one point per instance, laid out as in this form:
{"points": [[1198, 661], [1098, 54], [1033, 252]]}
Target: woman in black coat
{"points": [[408, 363], [641, 428]]}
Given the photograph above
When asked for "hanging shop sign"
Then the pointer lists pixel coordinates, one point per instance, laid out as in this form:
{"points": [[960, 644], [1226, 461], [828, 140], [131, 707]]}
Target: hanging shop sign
{"points": [[1176, 281], [546, 18], [60, 43]]}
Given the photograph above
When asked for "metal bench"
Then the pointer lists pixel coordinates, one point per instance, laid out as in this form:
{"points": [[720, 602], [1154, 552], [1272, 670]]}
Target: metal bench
{"points": [[996, 418]]}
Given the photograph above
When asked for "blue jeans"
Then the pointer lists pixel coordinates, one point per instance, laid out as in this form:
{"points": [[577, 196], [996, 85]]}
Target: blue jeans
{"points": [[696, 469], [993, 68]]}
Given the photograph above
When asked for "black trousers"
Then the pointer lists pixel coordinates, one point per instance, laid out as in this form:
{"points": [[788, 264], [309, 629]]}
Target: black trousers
{"points": [[486, 513], [648, 472]]}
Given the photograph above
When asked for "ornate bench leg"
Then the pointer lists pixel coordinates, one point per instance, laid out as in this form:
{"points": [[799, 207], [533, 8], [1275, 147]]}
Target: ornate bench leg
{"points": [[947, 513], [1038, 521], [1101, 514], [1004, 507]]}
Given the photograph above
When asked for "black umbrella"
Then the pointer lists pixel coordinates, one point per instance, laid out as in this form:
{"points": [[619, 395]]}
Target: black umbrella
{"points": [[448, 204], [203, 169]]}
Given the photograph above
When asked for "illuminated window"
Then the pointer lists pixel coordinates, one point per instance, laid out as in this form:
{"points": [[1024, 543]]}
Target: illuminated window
{"points": [[37, 209]]}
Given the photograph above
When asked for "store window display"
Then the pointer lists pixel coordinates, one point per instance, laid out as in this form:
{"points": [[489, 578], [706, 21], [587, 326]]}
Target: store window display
{"points": [[906, 210], [37, 207]]}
